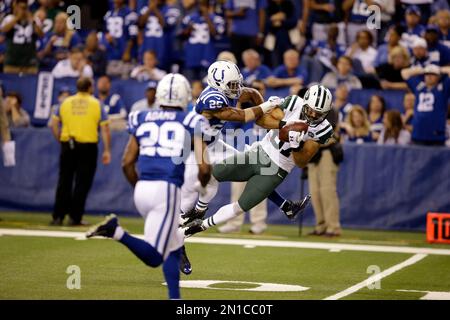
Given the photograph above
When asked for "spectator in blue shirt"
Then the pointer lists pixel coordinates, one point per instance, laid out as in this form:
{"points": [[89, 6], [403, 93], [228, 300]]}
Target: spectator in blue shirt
{"points": [[57, 43], [119, 38], [443, 23], [420, 56], [200, 29], [342, 75], [158, 21], [322, 56], [413, 27], [281, 18], [375, 111], [438, 52], [290, 74], [112, 104], [430, 109], [253, 69], [358, 15], [95, 54], [394, 36], [247, 21]]}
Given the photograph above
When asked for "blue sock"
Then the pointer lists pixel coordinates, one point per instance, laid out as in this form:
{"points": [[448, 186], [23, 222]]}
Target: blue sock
{"points": [[171, 269], [276, 198], [143, 250]]}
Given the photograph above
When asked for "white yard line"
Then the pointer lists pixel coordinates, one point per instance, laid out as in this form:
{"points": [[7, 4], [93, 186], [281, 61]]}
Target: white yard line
{"points": [[335, 247], [377, 277]]}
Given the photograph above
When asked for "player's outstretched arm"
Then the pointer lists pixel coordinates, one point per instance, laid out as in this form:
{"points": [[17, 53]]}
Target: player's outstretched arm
{"points": [[303, 156], [129, 159], [245, 115], [271, 120]]}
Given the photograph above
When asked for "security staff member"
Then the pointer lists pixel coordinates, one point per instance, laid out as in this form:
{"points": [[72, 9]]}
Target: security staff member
{"points": [[322, 178], [80, 116]]}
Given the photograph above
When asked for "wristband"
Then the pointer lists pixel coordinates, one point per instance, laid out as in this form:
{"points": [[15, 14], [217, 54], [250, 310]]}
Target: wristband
{"points": [[281, 124], [266, 106]]}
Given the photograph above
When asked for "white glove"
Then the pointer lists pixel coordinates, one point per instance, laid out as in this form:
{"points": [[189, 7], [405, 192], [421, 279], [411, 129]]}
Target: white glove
{"points": [[295, 138], [9, 153], [271, 103], [199, 188]]}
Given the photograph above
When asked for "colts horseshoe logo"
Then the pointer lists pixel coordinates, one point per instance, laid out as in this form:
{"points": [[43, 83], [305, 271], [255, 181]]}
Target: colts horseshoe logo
{"points": [[214, 75]]}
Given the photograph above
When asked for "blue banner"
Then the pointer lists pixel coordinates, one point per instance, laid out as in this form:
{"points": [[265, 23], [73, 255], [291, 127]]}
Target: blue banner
{"points": [[380, 187]]}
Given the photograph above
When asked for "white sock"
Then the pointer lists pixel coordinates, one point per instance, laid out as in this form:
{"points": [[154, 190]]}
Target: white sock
{"points": [[211, 191], [118, 234], [224, 214]]}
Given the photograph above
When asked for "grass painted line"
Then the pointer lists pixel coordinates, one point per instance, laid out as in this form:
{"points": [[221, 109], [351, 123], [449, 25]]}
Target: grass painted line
{"points": [[377, 277], [335, 247]]}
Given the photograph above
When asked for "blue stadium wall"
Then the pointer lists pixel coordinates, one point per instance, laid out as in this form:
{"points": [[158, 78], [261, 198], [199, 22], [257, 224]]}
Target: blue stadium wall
{"points": [[379, 187]]}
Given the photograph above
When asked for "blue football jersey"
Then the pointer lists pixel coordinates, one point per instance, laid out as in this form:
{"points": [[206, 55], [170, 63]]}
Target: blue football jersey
{"points": [[121, 25], [156, 36], [199, 50], [212, 99], [430, 109], [164, 138], [360, 12], [114, 105]]}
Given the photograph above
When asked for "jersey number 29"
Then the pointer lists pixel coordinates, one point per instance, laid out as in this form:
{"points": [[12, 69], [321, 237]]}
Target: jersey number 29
{"points": [[166, 140]]}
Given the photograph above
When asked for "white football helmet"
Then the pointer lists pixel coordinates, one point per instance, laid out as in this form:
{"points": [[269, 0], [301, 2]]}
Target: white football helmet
{"points": [[317, 104], [225, 77], [173, 90]]}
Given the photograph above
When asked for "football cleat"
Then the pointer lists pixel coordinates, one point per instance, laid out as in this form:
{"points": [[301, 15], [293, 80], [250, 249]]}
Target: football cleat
{"points": [[106, 228], [191, 215], [194, 227], [185, 264], [294, 208]]}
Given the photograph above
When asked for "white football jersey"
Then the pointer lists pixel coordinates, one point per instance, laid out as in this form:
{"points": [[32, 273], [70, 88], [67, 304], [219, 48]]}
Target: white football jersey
{"points": [[279, 151]]}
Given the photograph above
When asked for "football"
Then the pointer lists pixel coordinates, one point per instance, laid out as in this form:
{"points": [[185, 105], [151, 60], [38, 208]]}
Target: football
{"points": [[297, 126]]}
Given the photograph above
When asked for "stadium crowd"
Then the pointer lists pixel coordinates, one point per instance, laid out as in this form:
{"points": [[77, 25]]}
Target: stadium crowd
{"points": [[277, 43]]}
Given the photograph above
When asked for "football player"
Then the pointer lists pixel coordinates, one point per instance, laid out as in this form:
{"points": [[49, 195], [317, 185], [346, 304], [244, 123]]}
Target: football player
{"points": [[303, 130], [218, 103], [158, 139]]}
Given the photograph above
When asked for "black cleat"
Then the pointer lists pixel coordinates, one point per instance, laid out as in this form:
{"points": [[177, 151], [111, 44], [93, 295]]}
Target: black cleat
{"points": [[294, 208], [106, 228], [185, 264], [191, 215], [194, 227]]}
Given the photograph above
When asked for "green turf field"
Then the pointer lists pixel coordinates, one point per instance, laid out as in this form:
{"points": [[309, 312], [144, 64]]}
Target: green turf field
{"points": [[34, 267]]}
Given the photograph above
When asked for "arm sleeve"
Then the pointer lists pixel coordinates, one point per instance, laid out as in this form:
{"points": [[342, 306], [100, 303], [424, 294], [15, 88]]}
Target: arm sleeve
{"points": [[413, 82], [198, 125], [133, 122]]}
